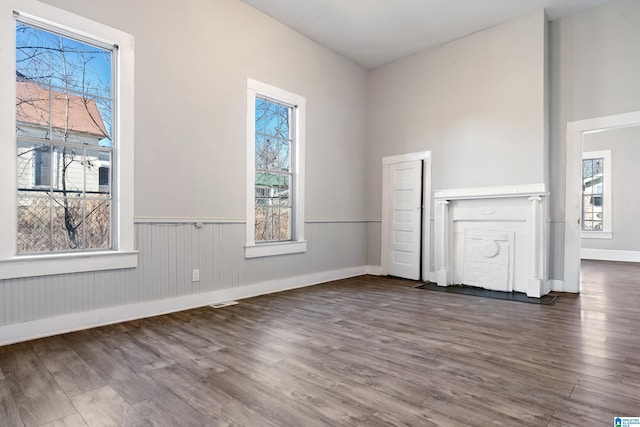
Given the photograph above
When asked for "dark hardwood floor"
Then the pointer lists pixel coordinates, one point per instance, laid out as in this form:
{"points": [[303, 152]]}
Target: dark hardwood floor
{"points": [[367, 351]]}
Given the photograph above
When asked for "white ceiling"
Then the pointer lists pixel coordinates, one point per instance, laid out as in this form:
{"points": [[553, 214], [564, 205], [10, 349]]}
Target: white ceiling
{"points": [[375, 32]]}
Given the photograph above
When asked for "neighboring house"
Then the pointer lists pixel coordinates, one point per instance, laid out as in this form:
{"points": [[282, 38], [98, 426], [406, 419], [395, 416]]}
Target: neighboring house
{"points": [[51, 115], [270, 188]]}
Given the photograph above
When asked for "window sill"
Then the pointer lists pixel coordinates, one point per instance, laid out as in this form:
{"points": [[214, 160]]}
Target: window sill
{"points": [[273, 249], [596, 235], [46, 265]]}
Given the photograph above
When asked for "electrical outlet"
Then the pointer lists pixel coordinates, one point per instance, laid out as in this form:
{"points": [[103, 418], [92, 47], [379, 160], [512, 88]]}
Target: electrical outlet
{"points": [[195, 275]]}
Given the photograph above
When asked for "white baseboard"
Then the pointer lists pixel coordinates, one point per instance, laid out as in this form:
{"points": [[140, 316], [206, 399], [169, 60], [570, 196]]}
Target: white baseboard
{"points": [[374, 270], [610, 255], [40, 328], [555, 285]]}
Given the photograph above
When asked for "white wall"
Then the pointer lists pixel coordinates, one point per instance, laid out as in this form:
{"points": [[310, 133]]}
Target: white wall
{"points": [[193, 58], [625, 177], [595, 67], [478, 104], [192, 61]]}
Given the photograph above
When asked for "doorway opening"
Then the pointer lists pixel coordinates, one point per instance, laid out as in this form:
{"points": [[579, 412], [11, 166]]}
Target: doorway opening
{"points": [[576, 132]]}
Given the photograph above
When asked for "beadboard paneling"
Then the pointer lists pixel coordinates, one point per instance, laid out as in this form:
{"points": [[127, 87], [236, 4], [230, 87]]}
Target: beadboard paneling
{"points": [[168, 254]]}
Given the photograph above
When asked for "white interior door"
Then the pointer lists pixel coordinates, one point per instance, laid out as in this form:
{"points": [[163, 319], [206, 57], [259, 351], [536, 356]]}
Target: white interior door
{"points": [[403, 228]]}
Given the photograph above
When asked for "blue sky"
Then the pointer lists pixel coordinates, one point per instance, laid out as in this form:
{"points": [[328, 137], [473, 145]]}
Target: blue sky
{"points": [[39, 57]]}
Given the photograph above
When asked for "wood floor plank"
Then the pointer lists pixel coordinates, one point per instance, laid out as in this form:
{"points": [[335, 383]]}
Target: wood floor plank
{"points": [[35, 392], [105, 407], [74, 420], [9, 412]]}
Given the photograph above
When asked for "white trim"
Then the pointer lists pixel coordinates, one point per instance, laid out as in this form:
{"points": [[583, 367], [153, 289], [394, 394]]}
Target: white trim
{"points": [[333, 221], [555, 285], [76, 262], [596, 235], [273, 249], [487, 192], [185, 220], [425, 157], [194, 220], [409, 157], [123, 255], [374, 270], [255, 88], [610, 255], [89, 319], [573, 193]]}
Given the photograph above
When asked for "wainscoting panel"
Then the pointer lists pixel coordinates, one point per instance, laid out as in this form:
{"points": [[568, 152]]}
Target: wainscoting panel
{"points": [[168, 255]]}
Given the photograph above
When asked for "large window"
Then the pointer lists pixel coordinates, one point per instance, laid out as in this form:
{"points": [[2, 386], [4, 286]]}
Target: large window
{"points": [[66, 142], [274, 130], [275, 143], [64, 122], [596, 194]]}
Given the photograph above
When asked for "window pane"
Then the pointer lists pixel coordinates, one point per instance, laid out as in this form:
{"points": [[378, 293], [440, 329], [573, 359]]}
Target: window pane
{"points": [[32, 108], [34, 224], [97, 223], [284, 162], [104, 171], [67, 227], [261, 155], [61, 61], [68, 170], [33, 167], [587, 168], [597, 166], [271, 118], [261, 106], [273, 223], [97, 165]]}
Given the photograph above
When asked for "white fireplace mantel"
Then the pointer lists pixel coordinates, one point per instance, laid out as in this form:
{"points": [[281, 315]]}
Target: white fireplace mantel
{"points": [[491, 192], [481, 231]]}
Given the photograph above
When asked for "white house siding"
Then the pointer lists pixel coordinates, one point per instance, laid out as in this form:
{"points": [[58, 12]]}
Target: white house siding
{"points": [[76, 170]]}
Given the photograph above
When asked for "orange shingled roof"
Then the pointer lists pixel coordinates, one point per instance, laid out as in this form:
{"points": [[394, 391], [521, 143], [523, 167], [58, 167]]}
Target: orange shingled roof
{"points": [[32, 107]]}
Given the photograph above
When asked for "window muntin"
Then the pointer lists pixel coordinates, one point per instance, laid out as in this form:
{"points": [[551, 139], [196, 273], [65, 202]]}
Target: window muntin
{"points": [[64, 126], [273, 170]]}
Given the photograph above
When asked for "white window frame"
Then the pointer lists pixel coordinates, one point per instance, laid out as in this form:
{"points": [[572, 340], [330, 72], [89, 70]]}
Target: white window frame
{"points": [[123, 254], [607, 212], [298, 244]]}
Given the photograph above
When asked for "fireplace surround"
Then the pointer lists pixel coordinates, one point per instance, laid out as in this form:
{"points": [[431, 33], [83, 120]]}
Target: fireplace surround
{"points": [[493, 238]]}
